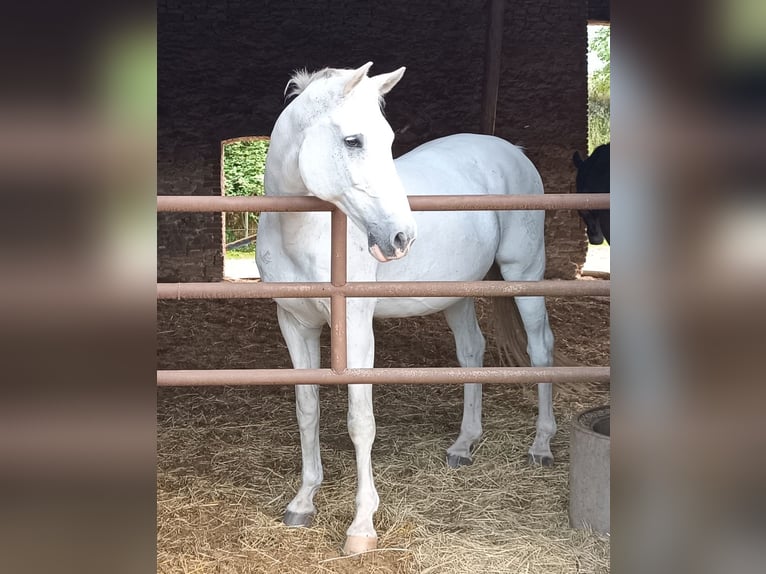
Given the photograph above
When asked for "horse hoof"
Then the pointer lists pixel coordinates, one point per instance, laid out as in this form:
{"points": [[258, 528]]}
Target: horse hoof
{"points": [[298, 518], [540, 460], [456, 461], [359, 544]]}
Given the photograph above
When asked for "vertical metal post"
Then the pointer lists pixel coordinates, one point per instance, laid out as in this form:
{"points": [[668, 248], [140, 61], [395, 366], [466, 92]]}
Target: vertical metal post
{"points": [[338, 343], [492, 65]]}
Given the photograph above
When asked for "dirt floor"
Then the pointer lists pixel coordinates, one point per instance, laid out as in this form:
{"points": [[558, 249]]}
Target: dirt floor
{"points": [[229, 458]]}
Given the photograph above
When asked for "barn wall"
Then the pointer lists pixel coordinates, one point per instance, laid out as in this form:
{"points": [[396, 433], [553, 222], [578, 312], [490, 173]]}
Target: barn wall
{"points": [[222, 67], [542, 106]]}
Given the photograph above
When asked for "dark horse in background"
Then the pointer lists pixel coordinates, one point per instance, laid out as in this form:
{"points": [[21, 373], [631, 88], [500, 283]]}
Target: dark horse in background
{"points": [[593, 177]]}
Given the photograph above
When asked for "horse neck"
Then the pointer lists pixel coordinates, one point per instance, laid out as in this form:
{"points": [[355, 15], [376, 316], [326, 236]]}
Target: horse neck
{"points": [[282, 175]]}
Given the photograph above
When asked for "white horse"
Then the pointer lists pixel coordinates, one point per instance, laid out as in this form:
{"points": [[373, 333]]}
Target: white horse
{"points": [[333, 142]]}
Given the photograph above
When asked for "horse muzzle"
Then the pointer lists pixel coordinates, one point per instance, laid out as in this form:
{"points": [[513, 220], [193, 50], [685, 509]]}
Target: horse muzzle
{"points": [[393, 248]]}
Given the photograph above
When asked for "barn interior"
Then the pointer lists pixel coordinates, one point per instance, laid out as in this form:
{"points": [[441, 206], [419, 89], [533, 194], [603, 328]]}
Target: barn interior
{"points": [[229, 458]]}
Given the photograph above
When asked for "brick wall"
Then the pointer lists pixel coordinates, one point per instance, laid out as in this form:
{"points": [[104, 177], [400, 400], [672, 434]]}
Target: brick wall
{"points": [[222, 67]]}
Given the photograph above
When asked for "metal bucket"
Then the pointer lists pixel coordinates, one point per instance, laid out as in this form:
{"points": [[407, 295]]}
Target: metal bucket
{"points": [[589, 470]]}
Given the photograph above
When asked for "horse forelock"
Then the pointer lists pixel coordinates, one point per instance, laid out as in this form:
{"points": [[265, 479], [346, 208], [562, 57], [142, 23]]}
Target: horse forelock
{"points": [[302, 78]]}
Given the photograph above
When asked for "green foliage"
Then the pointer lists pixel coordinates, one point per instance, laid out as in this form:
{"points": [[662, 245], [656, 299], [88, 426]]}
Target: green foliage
{"points": [[599, 92], [598, 121], [243, 166], [599, 45], [244, 162]]}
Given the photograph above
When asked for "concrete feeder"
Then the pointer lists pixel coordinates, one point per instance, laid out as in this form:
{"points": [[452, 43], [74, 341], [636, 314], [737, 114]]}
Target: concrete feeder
{"points": [[589, 470]]}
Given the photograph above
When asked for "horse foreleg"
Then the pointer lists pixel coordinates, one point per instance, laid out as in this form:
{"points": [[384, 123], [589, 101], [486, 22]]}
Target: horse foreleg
{"points": [[540, 350], [470, 344], [361, 535], [303, 345]]}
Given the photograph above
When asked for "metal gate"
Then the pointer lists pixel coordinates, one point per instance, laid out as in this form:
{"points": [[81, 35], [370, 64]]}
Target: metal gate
{"points": [[339, 289]]}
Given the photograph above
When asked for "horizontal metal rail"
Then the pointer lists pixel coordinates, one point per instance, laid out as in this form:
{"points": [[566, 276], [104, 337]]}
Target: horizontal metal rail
{"points": [[338, 290], [203, 203], [259, 290], [428, 376]]}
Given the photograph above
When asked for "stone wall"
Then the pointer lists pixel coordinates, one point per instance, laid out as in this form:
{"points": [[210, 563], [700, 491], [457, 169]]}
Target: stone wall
{"points": [[222, 67]]}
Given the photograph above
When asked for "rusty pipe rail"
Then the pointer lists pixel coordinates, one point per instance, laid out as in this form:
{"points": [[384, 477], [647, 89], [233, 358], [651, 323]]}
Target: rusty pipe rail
{"points": [[338, 341], [338, 290], [428, 376], [253, 290], [203, 203]]}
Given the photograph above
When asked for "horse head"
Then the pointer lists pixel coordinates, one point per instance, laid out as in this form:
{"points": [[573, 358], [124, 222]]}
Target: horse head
{"points": [[593, 177], [344, 153]]}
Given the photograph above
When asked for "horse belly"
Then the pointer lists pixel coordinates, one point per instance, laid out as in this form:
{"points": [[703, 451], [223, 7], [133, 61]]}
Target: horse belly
{"points": [[398, 307]]}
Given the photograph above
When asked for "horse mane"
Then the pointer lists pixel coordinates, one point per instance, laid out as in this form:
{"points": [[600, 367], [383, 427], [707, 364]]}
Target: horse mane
{"points": [[300, 80]]}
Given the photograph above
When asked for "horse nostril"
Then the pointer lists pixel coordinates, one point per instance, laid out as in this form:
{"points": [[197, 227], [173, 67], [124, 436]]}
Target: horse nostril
{"points": [[400, 241]]}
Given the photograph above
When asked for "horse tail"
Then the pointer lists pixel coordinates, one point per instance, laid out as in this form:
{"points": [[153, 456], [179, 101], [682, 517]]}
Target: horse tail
{"points": [[510, 336]]}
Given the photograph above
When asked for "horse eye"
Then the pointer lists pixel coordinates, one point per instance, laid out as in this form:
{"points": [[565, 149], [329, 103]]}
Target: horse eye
{"points": [[355, 141]]}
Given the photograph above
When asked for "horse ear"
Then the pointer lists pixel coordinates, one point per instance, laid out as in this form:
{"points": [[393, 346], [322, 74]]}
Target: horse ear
{"points": [[387, 81], [577, 160], [356, 77]]}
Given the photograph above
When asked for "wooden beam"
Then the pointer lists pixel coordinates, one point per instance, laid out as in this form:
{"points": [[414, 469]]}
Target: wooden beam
{"points": [[599, 12], [492, 63]]}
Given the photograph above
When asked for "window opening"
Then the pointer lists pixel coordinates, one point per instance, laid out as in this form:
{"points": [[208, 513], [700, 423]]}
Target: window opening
{"points": [[599, 95], [243, 161]]}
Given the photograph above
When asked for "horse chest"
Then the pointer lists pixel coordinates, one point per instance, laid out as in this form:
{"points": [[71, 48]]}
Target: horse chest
{"points": [[293, 248]]}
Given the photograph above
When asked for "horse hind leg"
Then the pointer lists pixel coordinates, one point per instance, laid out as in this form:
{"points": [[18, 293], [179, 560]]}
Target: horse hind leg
{"points": [[303, 345], [470, 344], [540, 349]]}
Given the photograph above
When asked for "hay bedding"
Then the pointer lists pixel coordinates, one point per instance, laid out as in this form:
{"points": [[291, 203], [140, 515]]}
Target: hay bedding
{"points": [[229, 458]]}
